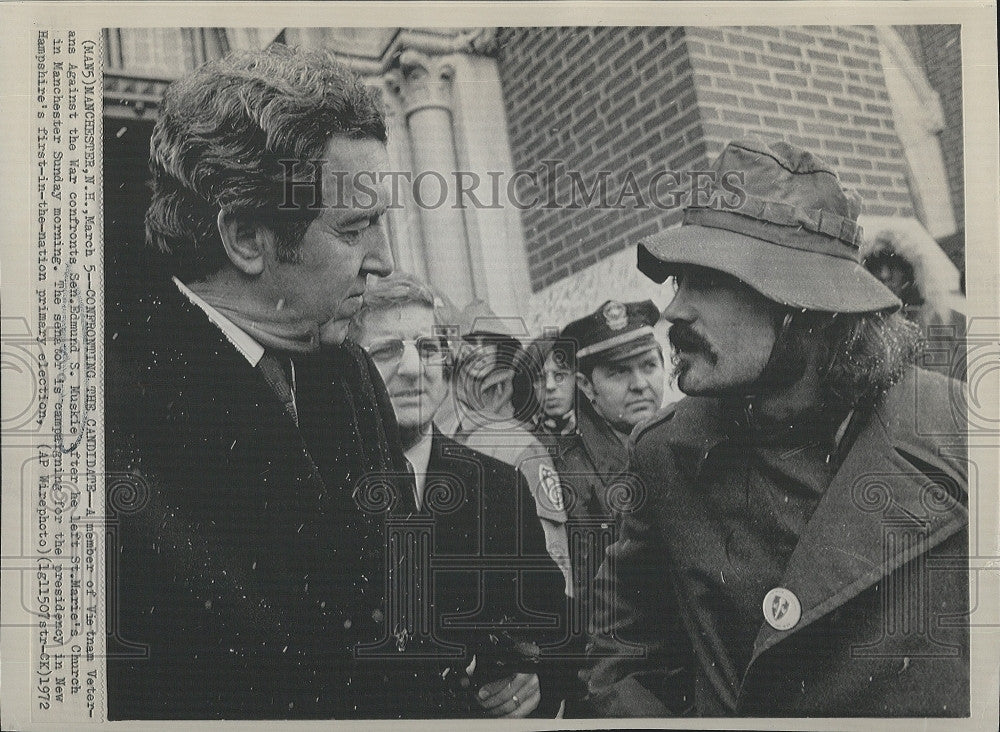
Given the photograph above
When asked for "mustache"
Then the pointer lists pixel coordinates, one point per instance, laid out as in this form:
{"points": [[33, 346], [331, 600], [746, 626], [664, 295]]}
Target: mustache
{"points": [[684, 338]]}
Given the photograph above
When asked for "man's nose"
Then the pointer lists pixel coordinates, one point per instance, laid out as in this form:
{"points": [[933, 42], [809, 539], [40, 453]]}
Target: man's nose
{"points": [[409, 362], [378, 259], [550, 382], [638, 381], [680, 308]]}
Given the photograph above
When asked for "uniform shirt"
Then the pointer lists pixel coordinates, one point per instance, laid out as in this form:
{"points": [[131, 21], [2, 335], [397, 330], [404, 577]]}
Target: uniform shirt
{"points": [[759, 485]]}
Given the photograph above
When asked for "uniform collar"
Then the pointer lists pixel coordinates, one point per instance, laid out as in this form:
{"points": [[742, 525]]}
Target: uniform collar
{"points": [[603, 446]]}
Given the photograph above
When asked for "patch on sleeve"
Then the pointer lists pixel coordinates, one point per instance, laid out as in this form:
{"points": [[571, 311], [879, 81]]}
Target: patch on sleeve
{"points": [[548, 479]]}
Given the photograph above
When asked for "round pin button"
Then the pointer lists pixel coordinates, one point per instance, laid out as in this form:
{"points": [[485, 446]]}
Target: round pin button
{"points": [[781, 609]]}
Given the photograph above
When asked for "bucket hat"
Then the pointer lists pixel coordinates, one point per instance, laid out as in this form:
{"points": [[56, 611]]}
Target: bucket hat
{"points": [[778, 219]]}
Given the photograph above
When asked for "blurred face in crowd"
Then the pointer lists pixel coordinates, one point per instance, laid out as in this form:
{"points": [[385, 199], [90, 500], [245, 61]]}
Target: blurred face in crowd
{"points": [[324, 280], [555, 387], [894, 272], [410, 360], [722, 332], [484, 378], [628, 391]]}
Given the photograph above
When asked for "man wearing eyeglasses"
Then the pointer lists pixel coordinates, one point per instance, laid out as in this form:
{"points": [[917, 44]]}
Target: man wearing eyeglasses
{"points": [[481, 511]]}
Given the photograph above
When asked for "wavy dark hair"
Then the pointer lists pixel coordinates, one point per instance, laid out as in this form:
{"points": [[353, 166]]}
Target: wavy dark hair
{"points": [[222, 134], [862, 354]]}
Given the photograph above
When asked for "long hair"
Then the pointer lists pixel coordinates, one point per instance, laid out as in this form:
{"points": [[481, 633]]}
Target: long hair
{"points": [[222, 136], [862, 355]]}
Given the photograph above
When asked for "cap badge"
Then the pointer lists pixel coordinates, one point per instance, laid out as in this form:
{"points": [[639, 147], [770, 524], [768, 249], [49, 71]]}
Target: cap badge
{"points": [[782, 609], [615, 315]]}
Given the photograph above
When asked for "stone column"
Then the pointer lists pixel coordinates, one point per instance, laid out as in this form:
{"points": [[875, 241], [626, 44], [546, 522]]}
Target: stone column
{"points": [[496, 239], [423, 84]]}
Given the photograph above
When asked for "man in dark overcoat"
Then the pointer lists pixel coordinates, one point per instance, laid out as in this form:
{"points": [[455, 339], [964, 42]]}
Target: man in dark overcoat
{"points": [[801, 546], [488, 588], [242, 574]]}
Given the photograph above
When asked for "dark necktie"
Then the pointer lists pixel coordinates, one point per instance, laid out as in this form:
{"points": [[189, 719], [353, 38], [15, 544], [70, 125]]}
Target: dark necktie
{"points": [[411, 481], [279, 374]]}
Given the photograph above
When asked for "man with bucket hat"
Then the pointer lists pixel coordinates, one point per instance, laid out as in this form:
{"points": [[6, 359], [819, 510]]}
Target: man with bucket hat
{"points": [[801, 548]]}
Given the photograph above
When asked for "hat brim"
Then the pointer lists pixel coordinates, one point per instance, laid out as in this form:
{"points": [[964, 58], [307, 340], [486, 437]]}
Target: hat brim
{"points": [[641, 345], [789, 276]]}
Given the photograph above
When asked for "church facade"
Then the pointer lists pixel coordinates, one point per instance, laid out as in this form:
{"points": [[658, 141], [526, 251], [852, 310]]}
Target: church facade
{"points": [[534, 158]]}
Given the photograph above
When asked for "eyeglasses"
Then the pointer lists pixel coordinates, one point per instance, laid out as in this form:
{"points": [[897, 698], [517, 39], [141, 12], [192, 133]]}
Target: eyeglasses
{"points": [[557, 376], [430, 350]]}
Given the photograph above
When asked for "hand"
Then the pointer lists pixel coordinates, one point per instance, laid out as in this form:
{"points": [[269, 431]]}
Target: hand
{"points": [[514, 697]]}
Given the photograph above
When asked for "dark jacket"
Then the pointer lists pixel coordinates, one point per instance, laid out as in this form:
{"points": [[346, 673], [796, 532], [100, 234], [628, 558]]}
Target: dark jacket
{"points": [[241, 574], [491, 588], [880, 571], [590, 462]]}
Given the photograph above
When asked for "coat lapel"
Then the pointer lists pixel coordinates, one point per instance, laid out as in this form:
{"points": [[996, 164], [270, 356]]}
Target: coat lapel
{"points": [[844, 549], [450, 466], [244, 394]]}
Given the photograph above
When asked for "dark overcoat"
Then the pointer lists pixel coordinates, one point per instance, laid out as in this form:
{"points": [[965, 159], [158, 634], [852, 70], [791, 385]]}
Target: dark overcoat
{"points": [[880, 570], [494, 591], [241, 574]]}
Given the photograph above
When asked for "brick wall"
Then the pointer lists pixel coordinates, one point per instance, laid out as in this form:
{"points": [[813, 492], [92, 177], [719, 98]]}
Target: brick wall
{"points": [[619, 100], [644, 99], [819, 87], [942, 56]]}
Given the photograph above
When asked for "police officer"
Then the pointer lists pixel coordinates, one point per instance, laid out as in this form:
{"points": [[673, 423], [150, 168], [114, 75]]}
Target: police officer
{"points": [[617, 366], [620, 374]]}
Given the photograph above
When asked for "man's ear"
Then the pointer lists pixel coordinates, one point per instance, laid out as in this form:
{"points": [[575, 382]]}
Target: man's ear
{"points": [[245, 242], [586, 386]]}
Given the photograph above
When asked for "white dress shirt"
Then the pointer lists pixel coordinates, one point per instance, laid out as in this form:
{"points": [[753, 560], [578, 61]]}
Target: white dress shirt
{"points": [[420, 456]]}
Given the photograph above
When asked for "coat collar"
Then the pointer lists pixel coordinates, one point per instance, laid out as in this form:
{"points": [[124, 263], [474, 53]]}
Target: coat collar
{"points": [[603, 447], [697, 426], [847, 546], [700, 424]]}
